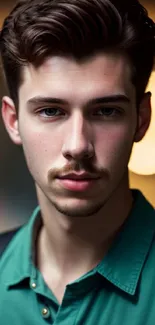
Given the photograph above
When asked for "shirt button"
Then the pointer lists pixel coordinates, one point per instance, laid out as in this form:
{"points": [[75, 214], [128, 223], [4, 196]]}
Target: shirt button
{"points": [[33, 285], [45, 312]]}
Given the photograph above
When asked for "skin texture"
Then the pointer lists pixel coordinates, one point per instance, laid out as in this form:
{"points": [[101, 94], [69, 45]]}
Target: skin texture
{"points": [[75, 136]]}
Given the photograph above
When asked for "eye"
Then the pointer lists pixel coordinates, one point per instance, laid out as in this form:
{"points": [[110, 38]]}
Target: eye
{"points": [[51, 112], [108, 111]]}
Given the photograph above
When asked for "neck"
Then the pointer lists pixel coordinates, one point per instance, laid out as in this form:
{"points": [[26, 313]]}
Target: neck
{"points": [[73, 246]]}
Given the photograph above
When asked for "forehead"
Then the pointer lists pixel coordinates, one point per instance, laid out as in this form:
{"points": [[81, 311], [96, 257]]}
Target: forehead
{"points": [[102, 74]]}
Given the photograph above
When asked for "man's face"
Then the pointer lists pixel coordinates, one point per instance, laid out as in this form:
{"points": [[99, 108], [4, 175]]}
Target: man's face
{"points": [[77, 123]]}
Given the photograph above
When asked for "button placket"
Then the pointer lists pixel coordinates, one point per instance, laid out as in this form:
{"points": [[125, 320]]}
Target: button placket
{"points": [[33, 281]]}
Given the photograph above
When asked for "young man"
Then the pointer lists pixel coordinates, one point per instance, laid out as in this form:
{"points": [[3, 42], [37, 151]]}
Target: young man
{"points": [[77, 71]]}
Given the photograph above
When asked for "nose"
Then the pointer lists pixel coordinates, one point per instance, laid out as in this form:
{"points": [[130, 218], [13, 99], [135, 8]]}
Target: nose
{"points": [[78, 143]]}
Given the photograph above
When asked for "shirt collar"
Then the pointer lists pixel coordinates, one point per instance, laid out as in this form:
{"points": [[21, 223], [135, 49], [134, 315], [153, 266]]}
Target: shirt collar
{"points": [[22, 250], [122, 265]]}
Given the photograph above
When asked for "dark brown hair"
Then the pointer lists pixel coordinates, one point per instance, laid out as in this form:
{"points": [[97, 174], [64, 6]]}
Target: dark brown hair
{"points": [[36, 29]]}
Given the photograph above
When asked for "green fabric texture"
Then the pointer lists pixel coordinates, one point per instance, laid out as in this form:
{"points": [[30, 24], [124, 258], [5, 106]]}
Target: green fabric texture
{"points": [[119, 291]]}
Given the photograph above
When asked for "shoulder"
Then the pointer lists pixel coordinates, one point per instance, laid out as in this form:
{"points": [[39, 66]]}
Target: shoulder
{"points": [[6, 237], [9, 245]]}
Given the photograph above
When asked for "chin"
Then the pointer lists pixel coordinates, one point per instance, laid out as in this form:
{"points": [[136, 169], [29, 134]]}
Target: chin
{"points": [[78, 209]]}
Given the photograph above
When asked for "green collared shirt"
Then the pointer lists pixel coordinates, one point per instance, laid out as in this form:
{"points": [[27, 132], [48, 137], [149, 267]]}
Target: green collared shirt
{"points": [[119, 291]]}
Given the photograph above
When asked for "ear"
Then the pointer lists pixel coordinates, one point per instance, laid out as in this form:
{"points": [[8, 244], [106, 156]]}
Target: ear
{"points": [[144, 117], [10, 118]]}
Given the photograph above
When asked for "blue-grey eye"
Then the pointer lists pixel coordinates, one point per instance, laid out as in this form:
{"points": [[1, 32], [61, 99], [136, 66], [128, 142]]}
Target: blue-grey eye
{"points": [[51, 111], [107, 111]]}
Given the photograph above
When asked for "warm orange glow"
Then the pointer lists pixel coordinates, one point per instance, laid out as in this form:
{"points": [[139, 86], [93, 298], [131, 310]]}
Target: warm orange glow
{"points": [[143, 156]]}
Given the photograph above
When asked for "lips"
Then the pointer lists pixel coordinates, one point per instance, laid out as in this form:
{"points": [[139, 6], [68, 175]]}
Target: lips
{"points": [[77, 182], [78, 177]]}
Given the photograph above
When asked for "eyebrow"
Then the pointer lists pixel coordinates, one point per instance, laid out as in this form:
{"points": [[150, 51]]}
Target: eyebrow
{"points": [[100, 100], [110, 99]]}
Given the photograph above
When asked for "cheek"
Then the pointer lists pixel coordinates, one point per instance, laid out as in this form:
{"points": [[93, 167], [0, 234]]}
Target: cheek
{"points": [[114, 145], [40, 150]]}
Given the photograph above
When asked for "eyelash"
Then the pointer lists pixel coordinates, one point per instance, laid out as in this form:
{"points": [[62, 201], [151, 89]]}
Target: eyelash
{"points": [[40, 112], [115, 112]]}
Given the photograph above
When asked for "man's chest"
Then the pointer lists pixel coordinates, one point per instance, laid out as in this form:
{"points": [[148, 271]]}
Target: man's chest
{"points": [[97, 307]]}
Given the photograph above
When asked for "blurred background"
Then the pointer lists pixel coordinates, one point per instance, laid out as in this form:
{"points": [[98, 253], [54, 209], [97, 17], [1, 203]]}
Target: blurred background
{"points": [[17, 193]]}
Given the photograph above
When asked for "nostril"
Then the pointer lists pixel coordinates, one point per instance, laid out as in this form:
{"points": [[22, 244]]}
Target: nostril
{"points": [[79, 154]]}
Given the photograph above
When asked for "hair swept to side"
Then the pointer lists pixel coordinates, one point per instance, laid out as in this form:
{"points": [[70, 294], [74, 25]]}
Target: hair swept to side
{"points": [[36, 29]]}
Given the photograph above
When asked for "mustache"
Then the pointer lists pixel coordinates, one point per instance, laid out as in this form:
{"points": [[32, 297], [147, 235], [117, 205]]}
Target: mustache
{"points": [[73, 167]]}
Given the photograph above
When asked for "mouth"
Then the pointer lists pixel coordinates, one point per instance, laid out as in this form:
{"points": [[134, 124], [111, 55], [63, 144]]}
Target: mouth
{"points": [[79, 176], [77, 182]]}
